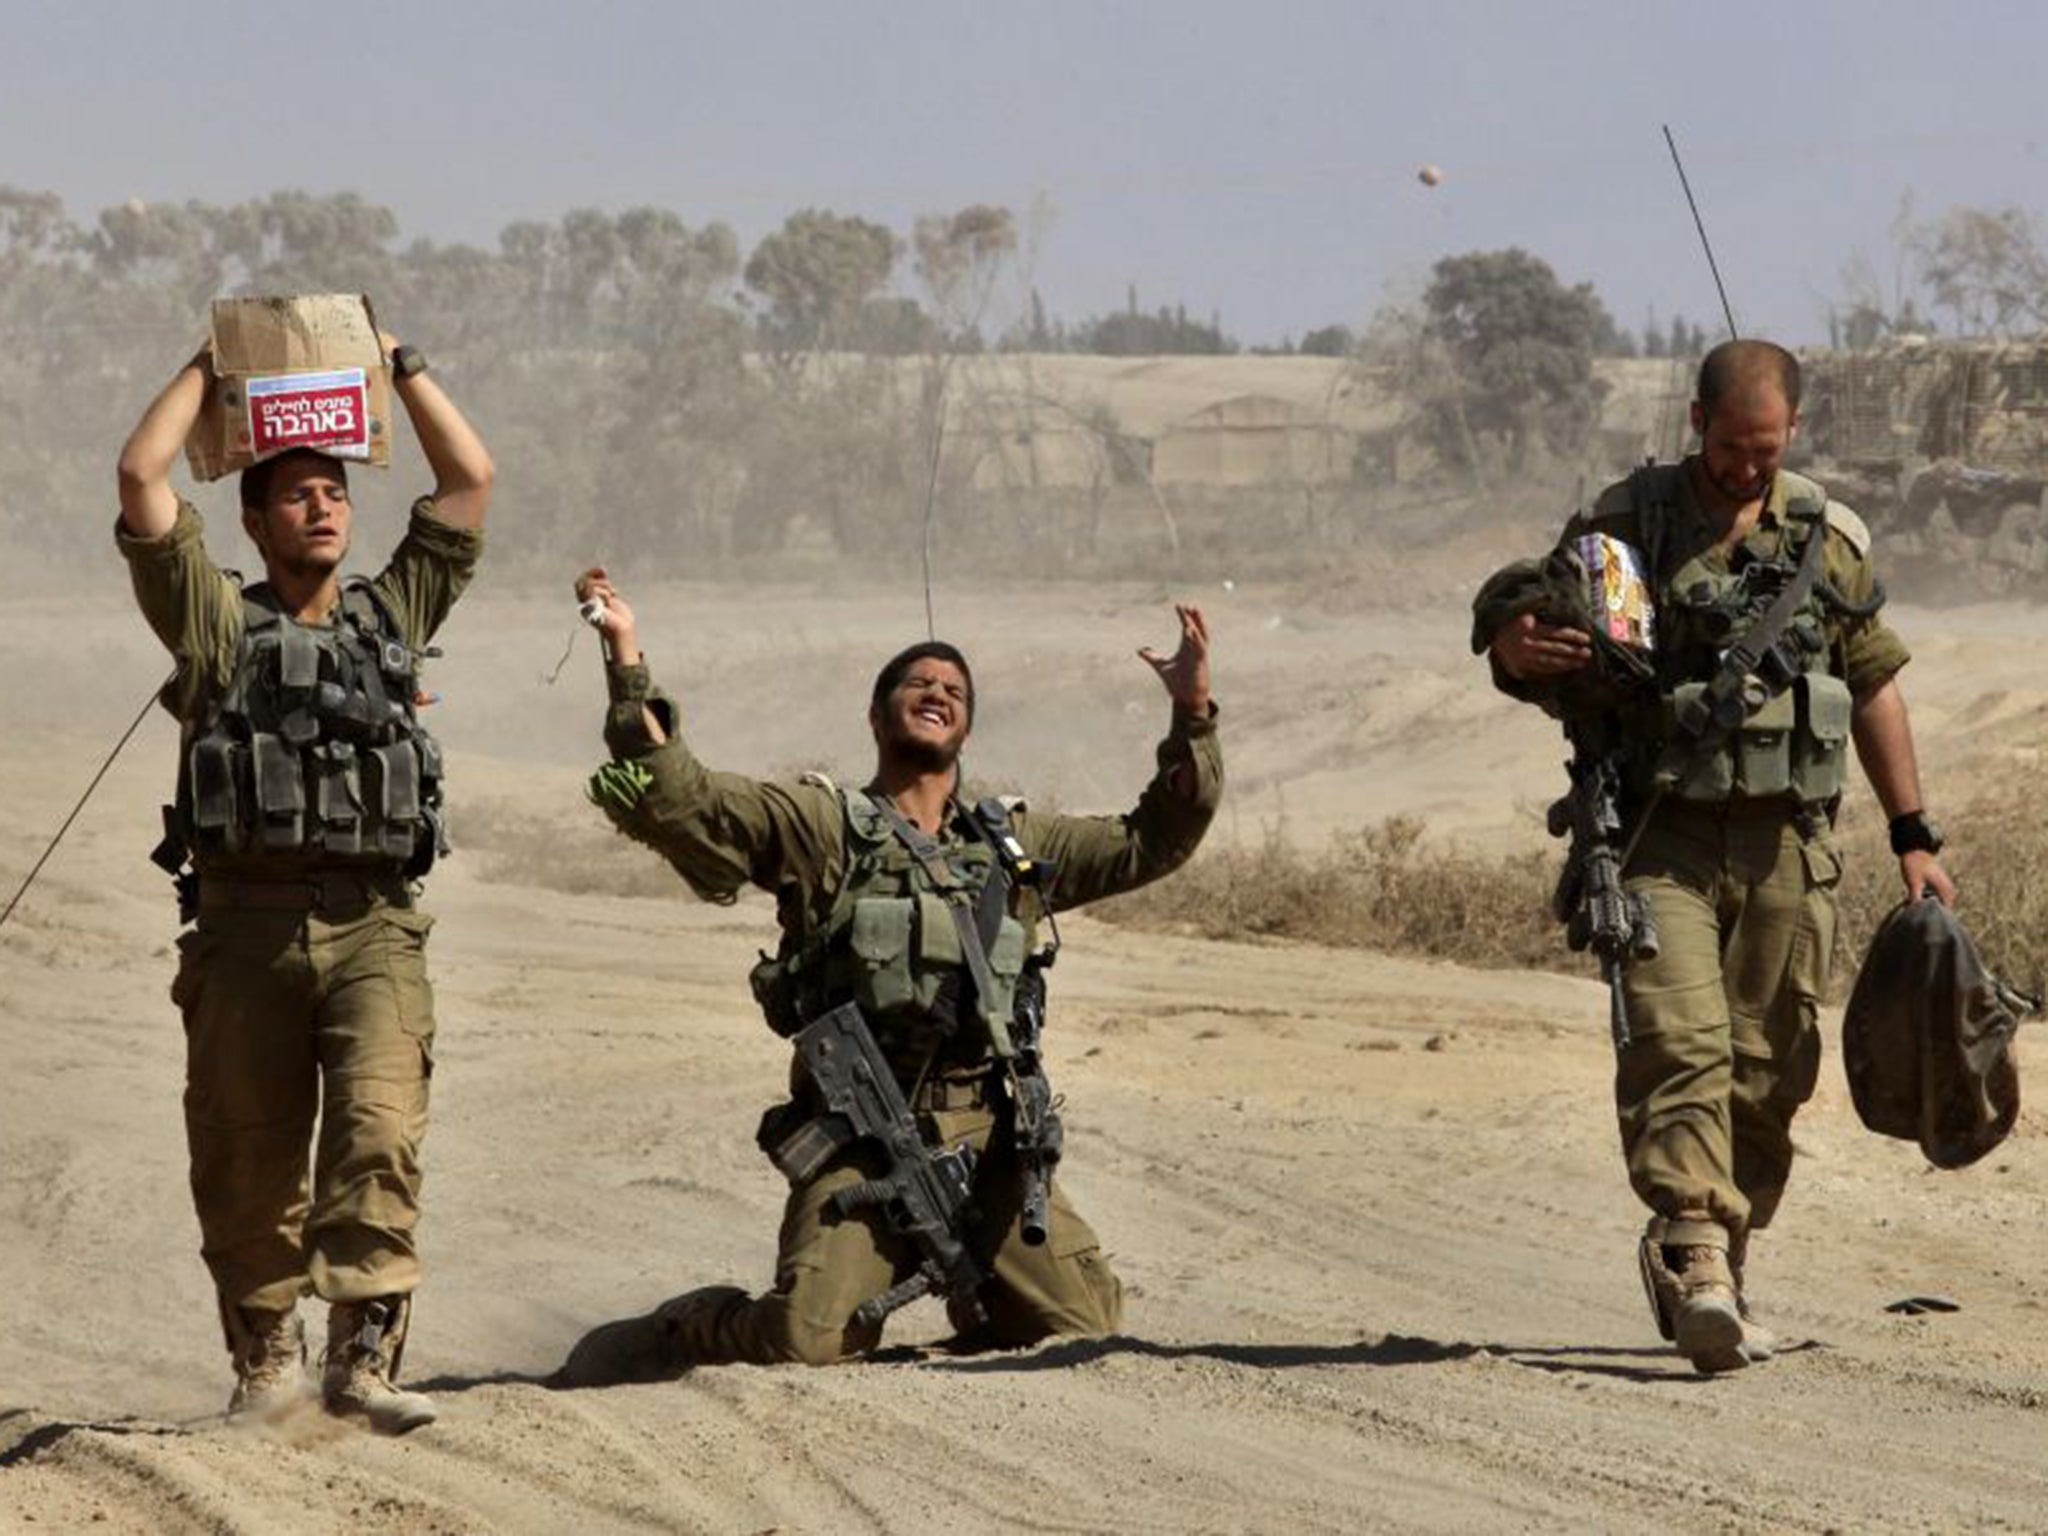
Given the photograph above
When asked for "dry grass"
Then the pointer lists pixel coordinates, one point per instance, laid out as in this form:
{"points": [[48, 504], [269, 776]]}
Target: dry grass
{"points": [[1389, 888], [1383, 888], [1998, 850]]}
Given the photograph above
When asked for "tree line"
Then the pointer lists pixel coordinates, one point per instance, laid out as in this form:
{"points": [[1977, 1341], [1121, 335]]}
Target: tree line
{"points": [[737, 399]]}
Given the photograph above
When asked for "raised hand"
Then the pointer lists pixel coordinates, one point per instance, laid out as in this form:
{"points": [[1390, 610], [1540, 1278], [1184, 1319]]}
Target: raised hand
{"points": [[1185, 673], [615, 623]]}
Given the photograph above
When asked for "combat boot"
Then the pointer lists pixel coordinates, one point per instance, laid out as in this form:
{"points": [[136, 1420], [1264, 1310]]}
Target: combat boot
{"points": [[691, 1329], [269, 1351], [1660, 1286], [1706, 1318], [1758, 1342], [365, 1342]]}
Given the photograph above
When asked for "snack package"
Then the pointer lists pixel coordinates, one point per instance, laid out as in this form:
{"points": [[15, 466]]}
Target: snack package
{"points": [[1618, 594]]}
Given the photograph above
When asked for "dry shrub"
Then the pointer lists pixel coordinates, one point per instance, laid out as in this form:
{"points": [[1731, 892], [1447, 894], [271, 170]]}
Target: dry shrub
{"points": [[582, 856], [1382, 888], [1387, 888]]}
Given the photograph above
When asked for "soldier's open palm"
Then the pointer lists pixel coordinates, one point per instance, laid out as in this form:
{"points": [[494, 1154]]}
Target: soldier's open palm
{"points": [[1186, 672]]}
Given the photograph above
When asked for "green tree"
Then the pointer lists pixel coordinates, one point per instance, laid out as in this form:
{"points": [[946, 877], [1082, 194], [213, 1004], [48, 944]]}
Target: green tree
{"points": [[1328, 341], [1167, 332], [817, 274], [1516, 348]]}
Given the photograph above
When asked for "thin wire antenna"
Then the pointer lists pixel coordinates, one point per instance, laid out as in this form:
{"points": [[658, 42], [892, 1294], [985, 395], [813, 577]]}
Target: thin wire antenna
{"points": [[1705, 244], [931, 503], [550, 678], [134, 726]]}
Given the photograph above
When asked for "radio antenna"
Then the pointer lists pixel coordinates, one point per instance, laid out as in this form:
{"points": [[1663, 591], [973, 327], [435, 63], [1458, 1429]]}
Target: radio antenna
{"points": [[1700, 224]]}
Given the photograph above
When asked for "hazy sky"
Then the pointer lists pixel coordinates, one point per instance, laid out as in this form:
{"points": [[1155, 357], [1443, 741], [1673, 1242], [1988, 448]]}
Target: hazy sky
{"points": [[1254, 159]]}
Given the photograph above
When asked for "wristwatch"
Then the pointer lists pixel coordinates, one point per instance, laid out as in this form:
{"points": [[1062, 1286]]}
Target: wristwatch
{"points": [[1912, 832], [407, 361]]}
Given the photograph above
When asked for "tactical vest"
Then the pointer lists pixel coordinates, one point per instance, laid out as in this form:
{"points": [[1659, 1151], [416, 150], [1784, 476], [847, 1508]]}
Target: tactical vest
{"points": [[890, 943], [1793, 737], [314, 753]]}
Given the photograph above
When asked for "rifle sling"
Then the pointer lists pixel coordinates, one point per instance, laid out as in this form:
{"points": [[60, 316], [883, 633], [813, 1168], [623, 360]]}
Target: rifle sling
{"points": [[1705, 725]]}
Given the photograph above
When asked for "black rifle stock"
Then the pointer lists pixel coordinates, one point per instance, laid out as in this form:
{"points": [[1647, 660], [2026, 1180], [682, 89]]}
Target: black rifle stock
{"points": [[923, 1194], [1598, 911]]}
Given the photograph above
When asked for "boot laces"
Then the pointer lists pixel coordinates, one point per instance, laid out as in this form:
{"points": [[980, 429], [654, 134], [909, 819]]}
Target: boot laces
{"points": [[1699, 1268]]}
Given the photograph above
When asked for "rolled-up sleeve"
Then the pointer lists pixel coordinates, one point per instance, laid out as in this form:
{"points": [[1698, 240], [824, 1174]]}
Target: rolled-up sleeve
{"points": [[1872, 652], [428, 571], [720, 831], [190, 604]]}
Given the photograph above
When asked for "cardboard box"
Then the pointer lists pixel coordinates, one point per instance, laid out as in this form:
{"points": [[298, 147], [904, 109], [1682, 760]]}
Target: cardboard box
{"points": [[304, 371]]}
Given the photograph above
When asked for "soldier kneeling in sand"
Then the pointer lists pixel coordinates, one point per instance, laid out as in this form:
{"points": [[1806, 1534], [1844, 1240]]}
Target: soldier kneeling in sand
{"points": [[906, 907]]}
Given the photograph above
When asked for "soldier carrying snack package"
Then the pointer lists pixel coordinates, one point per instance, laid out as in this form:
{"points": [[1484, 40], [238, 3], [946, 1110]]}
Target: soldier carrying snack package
{"points": [[308, 806], [1723, 696]]}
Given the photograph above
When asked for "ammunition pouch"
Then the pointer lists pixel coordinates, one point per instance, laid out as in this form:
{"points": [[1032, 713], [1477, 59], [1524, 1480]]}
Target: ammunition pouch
{"points": [[1794, 744], [908, 959], [914, 931], [1770, 722], [1820, 749], [313, 751], [799, 1141]]}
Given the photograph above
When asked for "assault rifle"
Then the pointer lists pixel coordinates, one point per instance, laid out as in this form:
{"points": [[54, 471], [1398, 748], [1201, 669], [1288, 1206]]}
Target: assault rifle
{"points": [[1598, 912], [1035, 1129], [923, 1194]]}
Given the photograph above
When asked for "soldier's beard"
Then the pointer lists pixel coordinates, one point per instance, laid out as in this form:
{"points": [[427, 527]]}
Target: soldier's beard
{"points": [[925, 756], [922, 756]]}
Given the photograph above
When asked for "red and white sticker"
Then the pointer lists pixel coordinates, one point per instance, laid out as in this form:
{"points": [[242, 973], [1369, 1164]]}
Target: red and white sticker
{"points": [[328, 411]]}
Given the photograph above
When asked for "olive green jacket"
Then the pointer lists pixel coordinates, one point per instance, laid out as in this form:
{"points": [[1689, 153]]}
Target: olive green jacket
{"points": [[725, 831]]}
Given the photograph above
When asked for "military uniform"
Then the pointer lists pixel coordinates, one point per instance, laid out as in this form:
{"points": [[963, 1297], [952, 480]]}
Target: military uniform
{"points": [[864, 920], [307, 802], [1734, 851]]}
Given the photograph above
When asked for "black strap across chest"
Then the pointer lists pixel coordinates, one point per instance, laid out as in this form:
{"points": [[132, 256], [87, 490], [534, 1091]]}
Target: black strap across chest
{"points": [[977, 925]]}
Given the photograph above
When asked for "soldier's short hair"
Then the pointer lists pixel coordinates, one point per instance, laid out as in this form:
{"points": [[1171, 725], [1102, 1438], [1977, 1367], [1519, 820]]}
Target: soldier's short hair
{"points": [[256, 479], [1736, 367], [897, 667]]}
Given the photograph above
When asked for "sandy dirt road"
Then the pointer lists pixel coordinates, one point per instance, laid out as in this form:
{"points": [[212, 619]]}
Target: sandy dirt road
{"points": [[1369, 1212]]}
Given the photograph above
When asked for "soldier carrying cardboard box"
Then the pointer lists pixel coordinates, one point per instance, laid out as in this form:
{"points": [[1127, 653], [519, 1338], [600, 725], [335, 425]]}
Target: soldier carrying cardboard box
{"points": [[307, 808]]}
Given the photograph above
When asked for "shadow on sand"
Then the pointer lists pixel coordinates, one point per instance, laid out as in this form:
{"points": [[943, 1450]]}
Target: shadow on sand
{"points": [[632, 1351], [1394, 1349], [19, 1443]]}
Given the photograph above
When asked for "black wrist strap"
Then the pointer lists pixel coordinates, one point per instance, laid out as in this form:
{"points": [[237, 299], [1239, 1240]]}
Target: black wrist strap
{"points": [[1912, 832]]}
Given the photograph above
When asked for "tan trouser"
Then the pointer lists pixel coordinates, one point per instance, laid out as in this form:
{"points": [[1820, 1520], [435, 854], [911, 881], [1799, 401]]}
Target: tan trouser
{"points": [[292, 1010], [828, 1265], [1724, 1044]]}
